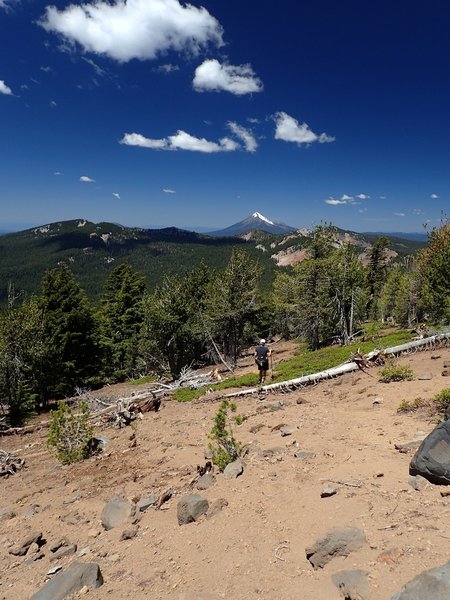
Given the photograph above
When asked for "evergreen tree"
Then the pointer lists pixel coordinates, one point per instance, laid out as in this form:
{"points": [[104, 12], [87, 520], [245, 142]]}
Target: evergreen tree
{"points": [[434, 274], [376, 276], [232, 303], [22, 351], [69, 334], [121, 318]]}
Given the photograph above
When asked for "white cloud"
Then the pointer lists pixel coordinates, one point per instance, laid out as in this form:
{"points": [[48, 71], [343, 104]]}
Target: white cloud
{"points": [[211, 76], [335, 202], [245, 135], [382, 197], [86, 179], [346, 197], [116, 195], [57, 173], [140, 29], [46, 69], [363, 196], [399, 214], [169, 191], [289, 129], [253, 120], [417, 211], [180, 141], [52, 104], [434, 196], [4, 89], [169, 68]]}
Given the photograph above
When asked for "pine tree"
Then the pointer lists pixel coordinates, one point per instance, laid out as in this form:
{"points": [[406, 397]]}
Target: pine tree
{"points": [[69, 333], [121, 318], [376, 275]]}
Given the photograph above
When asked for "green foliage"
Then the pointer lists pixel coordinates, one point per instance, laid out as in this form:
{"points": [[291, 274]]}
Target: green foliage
{"points": [[307, 361], [409, 406], [434, 274], [224, 447], [69, 432], [22, 351], [441, 400], [143, 380], [399, 297], [121, 317], [394, 372], [376, 275], [70, 334]]}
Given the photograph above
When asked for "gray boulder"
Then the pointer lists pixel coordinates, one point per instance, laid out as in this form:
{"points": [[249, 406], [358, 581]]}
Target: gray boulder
{"points": [[430, 585], [116, 512], [205, 481], [233, 470], [190, 508], [146, 502], [353, 585], [337, 542], [432, 459], [70, 581]]}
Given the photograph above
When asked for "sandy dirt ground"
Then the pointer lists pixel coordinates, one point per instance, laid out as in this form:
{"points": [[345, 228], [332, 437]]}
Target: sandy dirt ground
{"points": [[254, 548]]}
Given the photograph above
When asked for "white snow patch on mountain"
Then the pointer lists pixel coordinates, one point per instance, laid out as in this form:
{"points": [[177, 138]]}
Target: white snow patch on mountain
{"points": [[258, 215]]}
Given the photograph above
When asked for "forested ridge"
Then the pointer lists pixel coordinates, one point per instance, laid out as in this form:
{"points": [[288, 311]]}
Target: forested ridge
{"points": [[57, 340]]}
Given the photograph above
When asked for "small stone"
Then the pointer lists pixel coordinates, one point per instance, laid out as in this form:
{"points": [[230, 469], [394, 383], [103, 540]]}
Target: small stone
{"points": [[116, 511], [300, 400], [425, 377], [379, 474], [353, 585], [390, 557], [83, 551], [63, 551], [54, 570], [216, 506], [146, 502], [417, 482], [233, 469], [446, 373], [93, 533], [303, 455], [129, 534], [288, 430], [205, 481], [435, 356], [22, 549], [190, 508], [328, 491], [377, 400]]}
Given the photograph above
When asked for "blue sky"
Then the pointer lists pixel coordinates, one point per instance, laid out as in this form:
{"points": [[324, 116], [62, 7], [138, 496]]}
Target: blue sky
{"points": [[156, 113]]}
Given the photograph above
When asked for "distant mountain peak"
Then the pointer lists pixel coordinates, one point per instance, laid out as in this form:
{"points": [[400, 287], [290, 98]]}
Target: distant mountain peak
{"points": [[254, 221], [257, 215]]}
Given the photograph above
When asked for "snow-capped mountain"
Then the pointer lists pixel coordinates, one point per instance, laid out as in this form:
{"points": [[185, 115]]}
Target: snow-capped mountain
{"points": [[254, 221]]}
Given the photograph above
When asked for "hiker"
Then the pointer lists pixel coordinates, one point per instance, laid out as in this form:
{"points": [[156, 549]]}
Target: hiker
{"points": [[262, 354]]}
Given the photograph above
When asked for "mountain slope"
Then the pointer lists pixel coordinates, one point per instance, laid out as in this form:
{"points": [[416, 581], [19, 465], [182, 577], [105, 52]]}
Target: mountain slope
{"points": [[254, 221]]}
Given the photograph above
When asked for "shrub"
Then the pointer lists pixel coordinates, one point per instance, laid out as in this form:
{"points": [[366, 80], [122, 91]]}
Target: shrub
{"points": [[407, 406], [394, 372], [69, 432], [441, 400], [225, 449]]}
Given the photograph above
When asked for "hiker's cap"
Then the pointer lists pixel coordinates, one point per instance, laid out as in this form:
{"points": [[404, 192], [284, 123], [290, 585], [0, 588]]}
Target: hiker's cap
{"points": [[262, 341]]}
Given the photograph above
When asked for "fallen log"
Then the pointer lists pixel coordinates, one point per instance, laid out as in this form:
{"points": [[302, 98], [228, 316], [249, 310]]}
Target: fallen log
{"points": [[348, 367]]}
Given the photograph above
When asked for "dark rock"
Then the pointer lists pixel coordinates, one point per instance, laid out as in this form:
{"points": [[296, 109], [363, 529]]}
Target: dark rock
{"points": [[216, 506], [57, 545], [328, 491], [435, 356], [205, 481], [63, 551], [337, 542], [446, 373], [300, 400], [353, 585], [146, 502], [190, 508], [430, 585], [129, 534], [22, 548], [70, 581], [432, 459], [233, 469], [117, 511], [303, 455]]}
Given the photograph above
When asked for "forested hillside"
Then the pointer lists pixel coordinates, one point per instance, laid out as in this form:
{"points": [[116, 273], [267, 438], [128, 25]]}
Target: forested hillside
{"points": [[58, 340]]}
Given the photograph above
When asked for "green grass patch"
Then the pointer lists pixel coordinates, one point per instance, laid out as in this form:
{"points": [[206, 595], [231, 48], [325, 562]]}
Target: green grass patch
{"points": [[188, 394], [394, 372], [307, 362], [441, 401], [145, 379], [409, 406]]}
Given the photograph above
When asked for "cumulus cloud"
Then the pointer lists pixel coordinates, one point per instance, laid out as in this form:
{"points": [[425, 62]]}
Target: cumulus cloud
{"points": [[86, 179], [434, 196], [245, 135], [135, 28], [335, 201], [116, 195], [180, 141], [212, 76], [289, 129], [347, 198], [169, 191], [399, 214], [363, 196], [4, 89]]}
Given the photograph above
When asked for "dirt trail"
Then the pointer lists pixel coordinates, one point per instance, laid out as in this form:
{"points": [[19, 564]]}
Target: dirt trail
{"points": [[254, 548]]}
